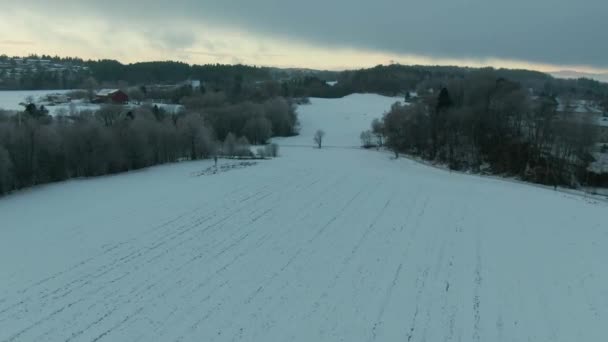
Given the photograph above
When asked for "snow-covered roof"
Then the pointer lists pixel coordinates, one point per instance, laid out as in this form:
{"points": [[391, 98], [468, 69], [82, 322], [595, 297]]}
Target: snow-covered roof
{"points": [[107, 92]]}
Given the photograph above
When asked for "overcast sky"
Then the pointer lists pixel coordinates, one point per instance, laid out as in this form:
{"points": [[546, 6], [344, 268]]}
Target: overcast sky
{"points": [[539, 34]]}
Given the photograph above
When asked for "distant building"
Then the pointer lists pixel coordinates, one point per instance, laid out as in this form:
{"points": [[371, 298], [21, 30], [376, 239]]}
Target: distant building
{"points": [[116, 96]]}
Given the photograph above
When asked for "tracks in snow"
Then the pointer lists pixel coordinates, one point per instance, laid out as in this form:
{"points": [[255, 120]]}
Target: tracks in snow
{"points": [[307, 253]]}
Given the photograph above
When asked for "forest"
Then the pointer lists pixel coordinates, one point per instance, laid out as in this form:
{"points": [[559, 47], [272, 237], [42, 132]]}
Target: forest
{"points": [[394, 79], [37, 148], [487, 123]]}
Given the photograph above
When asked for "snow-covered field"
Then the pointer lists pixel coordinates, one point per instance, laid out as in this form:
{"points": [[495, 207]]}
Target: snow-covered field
{"points": [[335, 244], [342, 120], [10, 100]]}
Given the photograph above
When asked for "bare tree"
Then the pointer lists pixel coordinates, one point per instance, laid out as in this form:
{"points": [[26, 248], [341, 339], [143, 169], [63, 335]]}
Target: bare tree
{"points": [[243, 148], [378, 131], [5, 171], [261, 153], [229, 145], [366, 139], [318, 138], [90, 85], [258, 130], [109, 114], [197, 135], [272, 150]]}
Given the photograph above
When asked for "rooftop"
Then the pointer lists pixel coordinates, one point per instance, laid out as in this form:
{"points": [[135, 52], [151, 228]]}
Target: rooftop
{"points": [[107, 92]]}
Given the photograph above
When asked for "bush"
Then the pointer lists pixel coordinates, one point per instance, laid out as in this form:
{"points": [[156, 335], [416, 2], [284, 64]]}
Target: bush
{"points": [[366, 139], [261, 153], [258, 130], [229, 146], [272, 150], [243, 148]]}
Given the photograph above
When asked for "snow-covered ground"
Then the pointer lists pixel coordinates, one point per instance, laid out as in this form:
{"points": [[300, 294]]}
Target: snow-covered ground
{"points": [[342, 120], [10, 100], [335, 244]]}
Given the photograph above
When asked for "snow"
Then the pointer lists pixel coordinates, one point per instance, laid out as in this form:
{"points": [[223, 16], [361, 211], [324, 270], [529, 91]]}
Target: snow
{"points": [[342, 120], [337, 244], [170, 108], [10, 100], [107, 92], [579, 106]]}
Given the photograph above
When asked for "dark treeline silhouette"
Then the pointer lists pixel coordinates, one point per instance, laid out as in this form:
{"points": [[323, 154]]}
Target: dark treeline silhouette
{"points": [[397, 79], [36, 148], [75, 72], [486, 123], [111, 71], [392, 79], [16, 75]]}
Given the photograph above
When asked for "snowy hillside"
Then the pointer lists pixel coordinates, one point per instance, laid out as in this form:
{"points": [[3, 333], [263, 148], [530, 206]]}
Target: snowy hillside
{"points": [[342, 120], [337, 244]]}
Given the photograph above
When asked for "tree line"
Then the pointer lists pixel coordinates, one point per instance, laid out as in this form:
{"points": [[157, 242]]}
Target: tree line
{"points": [[391, 79], [111, 73], [36, 148], [398, 80], [170, 72], [486, 123]]}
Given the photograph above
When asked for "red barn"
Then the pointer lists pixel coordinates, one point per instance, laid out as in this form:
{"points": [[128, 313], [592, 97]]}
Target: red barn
{"points": [[111, 96]]}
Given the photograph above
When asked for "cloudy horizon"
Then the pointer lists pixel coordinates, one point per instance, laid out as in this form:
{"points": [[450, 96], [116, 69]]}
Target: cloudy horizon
{"points": [[544, 35]]}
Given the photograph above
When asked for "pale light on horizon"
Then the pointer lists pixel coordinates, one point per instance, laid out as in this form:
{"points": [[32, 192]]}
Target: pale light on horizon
{"points": [[26, 32]]}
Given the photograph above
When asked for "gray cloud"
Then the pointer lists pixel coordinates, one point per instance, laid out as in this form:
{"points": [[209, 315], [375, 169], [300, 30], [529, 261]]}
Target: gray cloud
{"points": [[176, 39], [169, 39], [563, 32]]}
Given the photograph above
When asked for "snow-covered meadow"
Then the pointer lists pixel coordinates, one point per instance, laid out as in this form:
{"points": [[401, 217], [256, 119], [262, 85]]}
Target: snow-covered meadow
{"points": [[337, 244], [13, 99], [342, 120]]}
